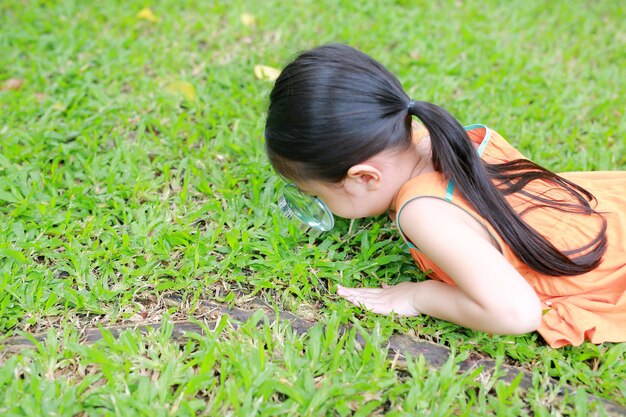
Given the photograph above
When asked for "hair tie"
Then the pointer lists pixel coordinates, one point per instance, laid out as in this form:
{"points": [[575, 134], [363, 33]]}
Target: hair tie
{"points": [[411, 104]]}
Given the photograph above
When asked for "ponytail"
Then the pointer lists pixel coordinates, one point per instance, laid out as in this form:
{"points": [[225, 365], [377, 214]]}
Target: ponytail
{"points": [[454, 156]]}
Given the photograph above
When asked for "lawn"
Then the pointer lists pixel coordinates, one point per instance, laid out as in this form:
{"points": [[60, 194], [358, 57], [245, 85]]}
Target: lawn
{"points": [[132, 173]]}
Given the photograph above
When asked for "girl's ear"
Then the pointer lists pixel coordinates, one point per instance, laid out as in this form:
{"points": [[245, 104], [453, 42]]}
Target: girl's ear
{"points": [[367, 175]]}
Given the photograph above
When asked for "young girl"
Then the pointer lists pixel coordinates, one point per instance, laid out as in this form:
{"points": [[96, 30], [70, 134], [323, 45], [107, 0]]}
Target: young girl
{"points": [[511, 246]]}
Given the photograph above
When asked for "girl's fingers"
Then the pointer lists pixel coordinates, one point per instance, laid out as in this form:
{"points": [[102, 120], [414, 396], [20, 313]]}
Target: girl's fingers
{"points": [[386, 300], [369, 301], [368, 305], [343, 290], [372, 299], [361, 296]]}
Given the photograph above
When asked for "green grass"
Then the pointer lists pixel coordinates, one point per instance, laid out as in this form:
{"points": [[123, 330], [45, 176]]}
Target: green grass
{"points": [[118, 187]]}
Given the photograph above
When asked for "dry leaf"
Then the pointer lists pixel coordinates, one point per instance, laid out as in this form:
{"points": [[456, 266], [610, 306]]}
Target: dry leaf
{"points": [[147, 14], [12, 84], [248, 19], [182, 88], [267, 73]]}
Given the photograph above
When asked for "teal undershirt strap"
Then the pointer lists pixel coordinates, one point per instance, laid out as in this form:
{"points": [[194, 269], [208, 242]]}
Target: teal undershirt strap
{"points": [[449, 190]]}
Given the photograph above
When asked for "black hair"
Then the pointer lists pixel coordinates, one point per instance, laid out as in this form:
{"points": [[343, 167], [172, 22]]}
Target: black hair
{"points": [[334, 107]]}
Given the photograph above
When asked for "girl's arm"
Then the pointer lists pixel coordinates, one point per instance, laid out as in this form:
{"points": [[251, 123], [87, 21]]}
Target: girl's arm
{"points": [[490, 294]]}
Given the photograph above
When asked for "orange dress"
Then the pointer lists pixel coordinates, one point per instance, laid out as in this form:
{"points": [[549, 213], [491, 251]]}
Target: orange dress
{"points": [[590, 306]]}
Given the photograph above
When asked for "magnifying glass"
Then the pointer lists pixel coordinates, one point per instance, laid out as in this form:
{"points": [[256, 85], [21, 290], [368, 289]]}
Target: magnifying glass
{"points": [[312, 213]]}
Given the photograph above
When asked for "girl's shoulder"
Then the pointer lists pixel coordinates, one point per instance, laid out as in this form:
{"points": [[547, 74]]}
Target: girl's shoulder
{"points": [[440, 217]]}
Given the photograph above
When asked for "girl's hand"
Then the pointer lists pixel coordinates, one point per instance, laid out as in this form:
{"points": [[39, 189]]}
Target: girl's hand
{"points": [[386, 300]]}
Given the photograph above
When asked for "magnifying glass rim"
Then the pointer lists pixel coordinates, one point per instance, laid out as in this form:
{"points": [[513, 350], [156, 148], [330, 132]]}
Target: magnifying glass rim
{"points": [[290, 212]]}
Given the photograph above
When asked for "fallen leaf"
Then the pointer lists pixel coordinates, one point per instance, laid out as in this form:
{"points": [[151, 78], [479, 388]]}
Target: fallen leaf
{"points": [[266, 73], [248, 19], [182, 88], [147, 14], [12, 84]]}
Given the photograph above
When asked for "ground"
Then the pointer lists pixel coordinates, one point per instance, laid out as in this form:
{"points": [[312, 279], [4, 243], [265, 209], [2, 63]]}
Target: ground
{"points": [[134, 190]]}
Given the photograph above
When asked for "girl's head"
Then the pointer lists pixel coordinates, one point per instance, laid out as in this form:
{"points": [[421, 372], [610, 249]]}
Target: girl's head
{"points": [[332, 108]]}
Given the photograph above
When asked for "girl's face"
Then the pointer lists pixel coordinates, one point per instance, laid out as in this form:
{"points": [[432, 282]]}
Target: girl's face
{"points": [[370, 188], [346, 199]]}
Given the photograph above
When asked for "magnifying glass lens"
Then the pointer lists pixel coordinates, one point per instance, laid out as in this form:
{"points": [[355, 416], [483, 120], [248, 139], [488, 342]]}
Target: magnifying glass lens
{"points": [[310, 211]]}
